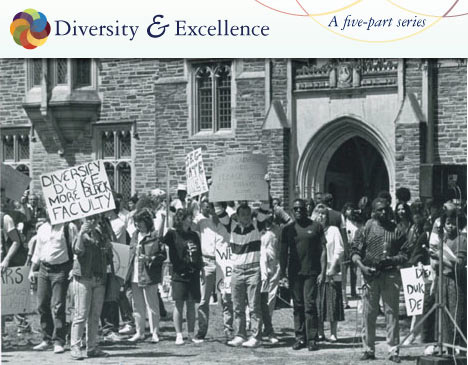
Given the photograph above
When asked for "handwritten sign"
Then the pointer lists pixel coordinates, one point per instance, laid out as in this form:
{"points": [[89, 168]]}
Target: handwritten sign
{"points": [[16, 294], [240, 177], [195, 171], [77, 192], [223, 269], [121, 257], [13, 181], [414, 280]]}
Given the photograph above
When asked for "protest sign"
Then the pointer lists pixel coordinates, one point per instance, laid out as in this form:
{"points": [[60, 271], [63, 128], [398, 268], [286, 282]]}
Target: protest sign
{"points": [[414, 279], [16, 294], [195, 172], [14, 182], [240, 177], [77, 192], [121, 256], [223, 268]]}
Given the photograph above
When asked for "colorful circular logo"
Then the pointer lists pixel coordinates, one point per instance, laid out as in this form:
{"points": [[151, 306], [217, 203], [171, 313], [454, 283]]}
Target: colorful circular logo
{"points": [[30, 28]]}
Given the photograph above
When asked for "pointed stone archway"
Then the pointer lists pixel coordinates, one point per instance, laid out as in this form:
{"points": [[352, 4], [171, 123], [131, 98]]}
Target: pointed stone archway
{"points": [[314, 162]]}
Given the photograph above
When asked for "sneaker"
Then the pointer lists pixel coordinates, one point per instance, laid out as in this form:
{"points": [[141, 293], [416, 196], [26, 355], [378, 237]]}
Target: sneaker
{"points": [[198, 339], [136, 338], [236, 341], [127, 330], [299, 345], [367, 355], [44, 345], [155, 338], [272, 339], [76, 353], [179, 339], [112, 337], [251, 343], [333, 338], [394, 358], [312, 346], [58, 349], [97, 353]]}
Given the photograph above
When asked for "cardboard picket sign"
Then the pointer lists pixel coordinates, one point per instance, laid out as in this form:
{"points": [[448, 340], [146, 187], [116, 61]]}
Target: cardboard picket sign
{"points": [[195, 173], [240, 177], [414, 280], [121, 256], [13, 181], [223, 269], [16, 294], [77, 192]]}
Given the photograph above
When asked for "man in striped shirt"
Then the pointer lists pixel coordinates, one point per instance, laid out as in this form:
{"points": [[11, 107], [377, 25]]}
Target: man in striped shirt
{"points": [[245, 282], [379, 248]]}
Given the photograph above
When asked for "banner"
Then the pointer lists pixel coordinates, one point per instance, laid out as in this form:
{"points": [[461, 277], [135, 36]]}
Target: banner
{"points": [[13, 181], [121, 256], [77, 192], [223, 269], [240, 177], [414, 280], [195, 172], [16, 294]]}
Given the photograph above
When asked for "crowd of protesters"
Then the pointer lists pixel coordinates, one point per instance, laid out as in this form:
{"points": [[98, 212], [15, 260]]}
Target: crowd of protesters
{"points": [[312, 251]]}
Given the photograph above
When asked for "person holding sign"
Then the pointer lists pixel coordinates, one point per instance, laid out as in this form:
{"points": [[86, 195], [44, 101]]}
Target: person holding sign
{"points": [[245, 245], [145, 265], [93, 252], [212, 235], [378, 249], [186, 259], [53, 258], [303, 263]]}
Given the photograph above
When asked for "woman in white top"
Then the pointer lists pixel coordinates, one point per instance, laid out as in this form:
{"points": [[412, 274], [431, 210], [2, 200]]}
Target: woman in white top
{"points": [[330, 293]]}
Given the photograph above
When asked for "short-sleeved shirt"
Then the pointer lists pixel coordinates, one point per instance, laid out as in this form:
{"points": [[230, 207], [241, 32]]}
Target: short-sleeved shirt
{"points": [[178, 242], [302, 247]]}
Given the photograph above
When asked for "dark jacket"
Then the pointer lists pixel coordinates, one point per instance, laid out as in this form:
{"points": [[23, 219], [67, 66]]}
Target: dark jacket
{"points": [[93, 252], [149, 270]]}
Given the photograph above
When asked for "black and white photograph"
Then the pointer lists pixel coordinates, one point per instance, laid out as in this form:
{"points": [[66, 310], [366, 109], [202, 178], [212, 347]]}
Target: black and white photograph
{"points": [[246, 210]]}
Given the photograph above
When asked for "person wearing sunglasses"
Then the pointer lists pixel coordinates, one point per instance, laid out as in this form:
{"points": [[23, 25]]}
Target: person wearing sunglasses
{"points": [[303, 262]]}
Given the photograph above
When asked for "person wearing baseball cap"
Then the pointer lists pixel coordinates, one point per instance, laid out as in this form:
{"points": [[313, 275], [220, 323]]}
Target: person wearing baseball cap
{"points": [[181, 201]]}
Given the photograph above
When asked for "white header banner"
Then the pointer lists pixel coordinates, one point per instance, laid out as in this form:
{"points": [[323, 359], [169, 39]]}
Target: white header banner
{"points": [[241, 28]]}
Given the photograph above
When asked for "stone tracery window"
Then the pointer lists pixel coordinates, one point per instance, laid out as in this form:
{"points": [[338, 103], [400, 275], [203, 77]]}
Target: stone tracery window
{"points": [[212, 102], [114, 145]]}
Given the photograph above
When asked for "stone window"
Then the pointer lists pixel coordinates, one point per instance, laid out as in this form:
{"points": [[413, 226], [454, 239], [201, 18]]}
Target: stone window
{"points": [[81, 72], [212, 96], [35, 72], [113, 144], [62, 71], [14, 147]]}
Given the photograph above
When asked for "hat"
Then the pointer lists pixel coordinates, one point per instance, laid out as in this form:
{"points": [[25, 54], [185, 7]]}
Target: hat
{"points": [[157, 192], [182, 187]]}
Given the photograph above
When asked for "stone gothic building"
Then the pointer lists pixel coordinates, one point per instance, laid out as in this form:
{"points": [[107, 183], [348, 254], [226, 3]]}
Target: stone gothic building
{"points": [[352, 127]]}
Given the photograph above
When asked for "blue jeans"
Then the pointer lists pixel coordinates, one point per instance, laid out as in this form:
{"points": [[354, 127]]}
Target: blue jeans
{"points": [[245, 286], [207, 286], [52, 286], [89, 297]]}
